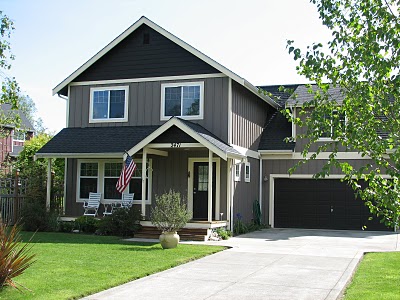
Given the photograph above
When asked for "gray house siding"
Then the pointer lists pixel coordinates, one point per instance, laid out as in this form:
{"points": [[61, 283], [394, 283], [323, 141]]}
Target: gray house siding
{"points": [[168, 173], [145, 105], [132, 58], [281, 166], [249, 114], [244, 193]]}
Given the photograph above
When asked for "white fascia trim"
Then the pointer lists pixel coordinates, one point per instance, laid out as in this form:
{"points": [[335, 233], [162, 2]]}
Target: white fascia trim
{"points": [[148, 79], [174, 145], [176, 40], [246, 152], [298, 155], [171, 122], [78, 155]]}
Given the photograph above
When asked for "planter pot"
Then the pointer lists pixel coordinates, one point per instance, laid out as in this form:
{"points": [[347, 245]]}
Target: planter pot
{"points": [[169, 240]]}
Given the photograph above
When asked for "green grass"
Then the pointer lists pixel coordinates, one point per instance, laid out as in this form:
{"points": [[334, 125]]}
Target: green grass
{"points": [[378, 277], [73, 265]]}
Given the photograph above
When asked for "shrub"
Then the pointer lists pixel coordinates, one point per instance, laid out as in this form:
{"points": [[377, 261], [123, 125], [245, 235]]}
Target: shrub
{"points": [[15, 258], [123, 222], [239, 227], [66, 226], [170, 213], [223, 233], [35, 217], [86, 224]]}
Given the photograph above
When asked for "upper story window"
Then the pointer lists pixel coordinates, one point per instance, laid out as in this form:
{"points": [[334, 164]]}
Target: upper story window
{"points": [[336, 121], [19, 135], [184, 100], [109, 104]]}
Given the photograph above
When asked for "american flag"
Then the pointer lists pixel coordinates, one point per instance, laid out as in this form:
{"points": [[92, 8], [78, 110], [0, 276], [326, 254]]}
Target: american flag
{"points": [[126, 174]]}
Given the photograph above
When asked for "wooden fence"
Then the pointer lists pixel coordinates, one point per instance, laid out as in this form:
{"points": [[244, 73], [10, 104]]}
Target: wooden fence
{"points": [[13, 193]]}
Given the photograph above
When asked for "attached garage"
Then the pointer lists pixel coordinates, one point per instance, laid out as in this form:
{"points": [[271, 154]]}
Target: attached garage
{"points": [[322, 204]]}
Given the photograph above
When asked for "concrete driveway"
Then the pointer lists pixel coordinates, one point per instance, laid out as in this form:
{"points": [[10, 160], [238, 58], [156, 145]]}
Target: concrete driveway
{"points": [[267, 264]]}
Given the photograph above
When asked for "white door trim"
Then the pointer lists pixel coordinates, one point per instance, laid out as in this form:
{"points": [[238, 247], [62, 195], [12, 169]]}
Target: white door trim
{"points": [[191, 162]]}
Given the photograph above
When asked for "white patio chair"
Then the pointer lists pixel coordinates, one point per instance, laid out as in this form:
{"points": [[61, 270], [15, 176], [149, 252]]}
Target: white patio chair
{"points": [[127, 200], [92, 205]]}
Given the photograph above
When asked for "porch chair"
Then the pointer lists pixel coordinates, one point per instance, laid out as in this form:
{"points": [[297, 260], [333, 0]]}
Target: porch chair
{"points": [[92, 205], [127, 200]]}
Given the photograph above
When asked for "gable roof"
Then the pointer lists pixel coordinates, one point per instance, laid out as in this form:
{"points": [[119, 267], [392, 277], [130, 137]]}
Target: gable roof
{"points": [[197, 132], [173, 38], [6, 108]]}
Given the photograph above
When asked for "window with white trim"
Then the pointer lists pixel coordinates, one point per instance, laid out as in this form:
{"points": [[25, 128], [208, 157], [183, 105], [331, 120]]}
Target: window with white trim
{"points": [[88, 179], [184, 100], [237, 171], [247, 172], [102, 176], [109, 104], [337, 121], [19, 135]]}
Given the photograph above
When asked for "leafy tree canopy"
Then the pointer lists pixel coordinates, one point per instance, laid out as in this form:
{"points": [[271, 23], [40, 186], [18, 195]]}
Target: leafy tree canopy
{"points": [[363, 59]]}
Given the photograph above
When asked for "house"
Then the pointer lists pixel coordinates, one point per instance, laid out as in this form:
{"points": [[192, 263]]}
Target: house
{"points": [[12, 139], [191, 125]]}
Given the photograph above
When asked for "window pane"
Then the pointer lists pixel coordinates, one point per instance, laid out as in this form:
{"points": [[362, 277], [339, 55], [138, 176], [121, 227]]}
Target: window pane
{"points": [[112, 169], [191, 100], [100, 104], [110, 192], [172, 101], [135, 186], [89, 169], [117, 104], [87, 185]]}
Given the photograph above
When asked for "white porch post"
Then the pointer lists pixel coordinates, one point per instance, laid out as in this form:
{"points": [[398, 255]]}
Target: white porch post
{"points": [[210, 184], [228, 190], [48, 194], [144, 159]]}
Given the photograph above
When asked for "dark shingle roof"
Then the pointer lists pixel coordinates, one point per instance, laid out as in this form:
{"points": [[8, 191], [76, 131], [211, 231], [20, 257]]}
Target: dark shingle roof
{"points": [[25, 123], [279, 96], [97, 139], [277, 129], [217, 142]]}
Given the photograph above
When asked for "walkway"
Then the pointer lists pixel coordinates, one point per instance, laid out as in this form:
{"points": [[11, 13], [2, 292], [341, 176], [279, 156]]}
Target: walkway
{"points": [[268, 264]]}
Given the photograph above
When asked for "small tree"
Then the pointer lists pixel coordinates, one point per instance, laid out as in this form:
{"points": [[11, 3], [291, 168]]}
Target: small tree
{"points": [[170, 213], [363, 60]]}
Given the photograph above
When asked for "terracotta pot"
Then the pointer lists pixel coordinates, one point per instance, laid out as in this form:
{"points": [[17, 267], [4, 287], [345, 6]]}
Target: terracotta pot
{"points": [[169, 240]]}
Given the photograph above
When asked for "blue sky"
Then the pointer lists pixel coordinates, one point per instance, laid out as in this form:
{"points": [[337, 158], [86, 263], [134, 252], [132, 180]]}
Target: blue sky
{"points": [[53, 38]]}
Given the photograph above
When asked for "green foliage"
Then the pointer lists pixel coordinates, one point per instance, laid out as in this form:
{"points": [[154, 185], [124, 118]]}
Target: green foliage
{"points": [[87, 224], [15, 257], [362, 59], [239, 227], [170, 213], [223, 233], [123, 222], [36, 218], [66, 226]]}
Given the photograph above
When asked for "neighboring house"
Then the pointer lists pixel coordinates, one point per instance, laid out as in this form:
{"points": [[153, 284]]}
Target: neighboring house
{"points": [[12, 139], [178, 112]]}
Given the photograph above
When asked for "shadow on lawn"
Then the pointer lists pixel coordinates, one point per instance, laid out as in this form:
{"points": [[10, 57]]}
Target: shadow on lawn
{"points": [[77, 238]]}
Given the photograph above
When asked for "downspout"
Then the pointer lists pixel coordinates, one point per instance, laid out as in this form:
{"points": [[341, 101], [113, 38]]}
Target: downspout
{"points": [[261, 181]]}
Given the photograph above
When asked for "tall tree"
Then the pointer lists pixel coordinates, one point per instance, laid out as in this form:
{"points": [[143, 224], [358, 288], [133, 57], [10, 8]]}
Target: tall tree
{"points": [[363, 59]]}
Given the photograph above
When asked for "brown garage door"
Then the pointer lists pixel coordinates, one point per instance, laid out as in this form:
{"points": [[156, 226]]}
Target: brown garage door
{"points": [[323, 204]]}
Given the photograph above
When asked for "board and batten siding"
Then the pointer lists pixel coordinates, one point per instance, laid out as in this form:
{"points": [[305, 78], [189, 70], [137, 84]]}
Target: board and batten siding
{"points": [[244, 193], [144, 105], [133, 58], [281, 166], [169, 172], [249, 114]]}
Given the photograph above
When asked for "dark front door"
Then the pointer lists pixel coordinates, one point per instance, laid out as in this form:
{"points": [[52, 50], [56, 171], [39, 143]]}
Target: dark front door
{"points": [[322, 204], [200, 190]]}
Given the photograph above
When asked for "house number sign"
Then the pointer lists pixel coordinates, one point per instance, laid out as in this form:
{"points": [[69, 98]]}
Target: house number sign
{"points": [[175, 145]]}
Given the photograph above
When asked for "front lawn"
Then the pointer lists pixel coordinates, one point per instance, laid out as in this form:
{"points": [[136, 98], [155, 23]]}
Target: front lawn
{"points": [[74, 265], [378, 277]]}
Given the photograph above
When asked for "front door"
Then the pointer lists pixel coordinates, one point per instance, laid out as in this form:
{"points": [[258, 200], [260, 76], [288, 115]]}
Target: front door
{"points": [[200, 190]]}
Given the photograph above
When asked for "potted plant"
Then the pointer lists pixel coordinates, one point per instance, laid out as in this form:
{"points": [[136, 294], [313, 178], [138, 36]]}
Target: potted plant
{"points": [[169, 215]]}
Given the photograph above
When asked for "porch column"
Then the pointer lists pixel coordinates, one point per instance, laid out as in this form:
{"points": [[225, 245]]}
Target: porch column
{"points": [[210, 184], [228, 190], [144, 159], [48, 194]]}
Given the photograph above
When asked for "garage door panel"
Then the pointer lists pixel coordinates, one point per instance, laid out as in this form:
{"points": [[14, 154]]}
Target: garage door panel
{"points": [[325, 204]]}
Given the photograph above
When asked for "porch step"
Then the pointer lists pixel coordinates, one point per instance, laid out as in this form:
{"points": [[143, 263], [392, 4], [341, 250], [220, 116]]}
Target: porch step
{"points": [[185, 234]]}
